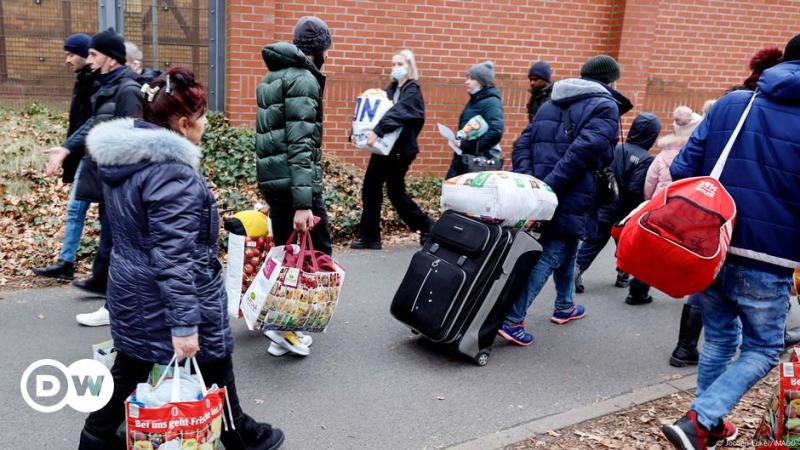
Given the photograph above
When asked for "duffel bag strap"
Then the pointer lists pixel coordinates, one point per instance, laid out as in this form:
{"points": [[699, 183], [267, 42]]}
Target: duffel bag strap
{"points": [[723, 158]]}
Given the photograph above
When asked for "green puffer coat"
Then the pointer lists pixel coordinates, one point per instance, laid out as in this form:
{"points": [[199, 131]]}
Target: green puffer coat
{"points": [[289, 126]]}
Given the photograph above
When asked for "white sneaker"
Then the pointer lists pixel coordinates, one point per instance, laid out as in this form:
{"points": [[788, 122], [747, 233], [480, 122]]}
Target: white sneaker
{"points": [[98, 318], [277, 350], [289, 341]]}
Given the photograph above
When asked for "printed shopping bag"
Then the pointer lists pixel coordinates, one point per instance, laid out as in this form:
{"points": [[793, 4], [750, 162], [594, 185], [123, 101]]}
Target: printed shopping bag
{"points": [[780, 427], [371, 106], [506, 197], [678, 240], [249, 241], [179, 423], [297, 289]]}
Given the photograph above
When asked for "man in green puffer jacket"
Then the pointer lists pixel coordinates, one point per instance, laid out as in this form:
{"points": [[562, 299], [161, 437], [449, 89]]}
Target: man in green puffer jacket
{"points": [[289, 133]]}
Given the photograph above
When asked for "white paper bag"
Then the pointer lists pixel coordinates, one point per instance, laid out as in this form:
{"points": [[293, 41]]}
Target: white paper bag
{"points": [[371, 106], [506, 197]]}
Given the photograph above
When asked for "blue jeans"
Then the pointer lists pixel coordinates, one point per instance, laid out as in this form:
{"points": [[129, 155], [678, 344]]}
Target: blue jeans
{"points": [[746, 307], [76, 216], [557, 259]]}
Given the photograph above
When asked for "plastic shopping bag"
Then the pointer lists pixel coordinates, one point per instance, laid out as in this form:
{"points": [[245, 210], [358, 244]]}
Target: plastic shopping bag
{"points": [[249, 241], [505, 197], [179, 413], [105, 353], [371, 106], [297, 289]]}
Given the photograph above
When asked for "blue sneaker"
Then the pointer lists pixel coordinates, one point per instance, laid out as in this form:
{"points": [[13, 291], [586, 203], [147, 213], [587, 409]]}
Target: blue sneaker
{"points": [[561, 317], [516, 334]]}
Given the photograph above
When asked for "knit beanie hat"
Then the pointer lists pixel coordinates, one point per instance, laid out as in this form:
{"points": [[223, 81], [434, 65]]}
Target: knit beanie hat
{"points": [[540, 70], [602, 68], [111, 44], [792, 51], [78, 44], [483, 73], [311, 35]]}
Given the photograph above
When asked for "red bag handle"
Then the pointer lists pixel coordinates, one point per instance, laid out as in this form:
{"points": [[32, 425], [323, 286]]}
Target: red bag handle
{"points": [[306, 245]]}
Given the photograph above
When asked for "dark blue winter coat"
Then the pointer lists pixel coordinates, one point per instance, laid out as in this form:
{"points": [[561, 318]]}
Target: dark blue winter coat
{"points": [[488, 104], [631, 161], [568, 168], [165, 278], [763, 170]]}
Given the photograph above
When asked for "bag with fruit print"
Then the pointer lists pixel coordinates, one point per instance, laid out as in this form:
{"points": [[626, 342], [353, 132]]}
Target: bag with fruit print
{"points": [[249, 242], [297, 289]]}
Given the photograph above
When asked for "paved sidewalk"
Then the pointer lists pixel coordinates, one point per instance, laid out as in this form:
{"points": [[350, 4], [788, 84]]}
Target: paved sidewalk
{"points": [[368, 382]]}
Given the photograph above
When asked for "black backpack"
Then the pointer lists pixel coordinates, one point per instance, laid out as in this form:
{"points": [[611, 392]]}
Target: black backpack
{"points": [[607, 187]]}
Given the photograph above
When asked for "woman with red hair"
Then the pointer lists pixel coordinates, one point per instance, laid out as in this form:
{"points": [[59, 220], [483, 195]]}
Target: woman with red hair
{"points": [[165, 293]]}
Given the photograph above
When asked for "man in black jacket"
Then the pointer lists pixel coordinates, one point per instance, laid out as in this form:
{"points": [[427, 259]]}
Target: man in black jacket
{"points": [[631, 161], [118, 95], [541, 87], [76, 48]]}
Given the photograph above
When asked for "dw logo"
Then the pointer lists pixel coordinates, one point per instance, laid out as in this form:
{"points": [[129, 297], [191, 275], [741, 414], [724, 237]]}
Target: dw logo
{"points": [[86, 385]]}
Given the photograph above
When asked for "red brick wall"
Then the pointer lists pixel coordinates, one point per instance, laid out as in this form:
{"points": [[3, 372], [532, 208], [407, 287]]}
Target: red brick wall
{"points": [[671, 52]]}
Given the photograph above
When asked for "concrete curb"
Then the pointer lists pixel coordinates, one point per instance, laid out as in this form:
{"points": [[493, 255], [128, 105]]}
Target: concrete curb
{"points": [[523, 431]]}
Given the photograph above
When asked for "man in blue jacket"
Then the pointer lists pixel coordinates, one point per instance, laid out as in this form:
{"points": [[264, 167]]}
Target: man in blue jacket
{"points": [[746, 306], [573, 137]]}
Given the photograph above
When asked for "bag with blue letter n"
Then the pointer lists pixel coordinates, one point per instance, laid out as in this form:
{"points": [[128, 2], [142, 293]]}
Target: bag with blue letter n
{"points": [[371, 106]]}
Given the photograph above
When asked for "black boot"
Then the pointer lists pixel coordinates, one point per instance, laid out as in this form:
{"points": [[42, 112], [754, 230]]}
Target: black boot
{"points": [[638, 293], [92, 285], [685, 354], [623, 279], [366, 244], [579, 287], [61, 270], [252, 435]]}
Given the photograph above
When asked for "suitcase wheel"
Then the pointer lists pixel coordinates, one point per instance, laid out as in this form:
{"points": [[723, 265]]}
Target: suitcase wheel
{"points": [[482, 359]]}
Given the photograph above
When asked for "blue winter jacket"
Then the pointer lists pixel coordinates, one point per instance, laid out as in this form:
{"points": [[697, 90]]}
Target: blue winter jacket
{"points": [[165, 278], [568, 168], [763, 170]]}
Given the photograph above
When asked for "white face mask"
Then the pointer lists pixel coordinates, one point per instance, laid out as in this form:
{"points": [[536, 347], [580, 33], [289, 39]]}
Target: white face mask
{"points": [[475, 90], [399, 73]]}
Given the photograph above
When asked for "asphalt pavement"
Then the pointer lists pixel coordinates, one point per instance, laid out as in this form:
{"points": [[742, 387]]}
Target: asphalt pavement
{"points": [[369, 383]]}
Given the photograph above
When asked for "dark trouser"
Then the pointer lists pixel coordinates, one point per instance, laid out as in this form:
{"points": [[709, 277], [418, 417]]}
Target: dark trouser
{"points": [[392, 171], [638, 289], [100, 429], [282, 216], [592, 246], [102, 259]]}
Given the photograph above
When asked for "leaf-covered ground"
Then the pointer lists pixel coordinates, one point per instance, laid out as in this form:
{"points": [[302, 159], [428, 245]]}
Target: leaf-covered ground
{"points": [[33, 208], [639, 428]]}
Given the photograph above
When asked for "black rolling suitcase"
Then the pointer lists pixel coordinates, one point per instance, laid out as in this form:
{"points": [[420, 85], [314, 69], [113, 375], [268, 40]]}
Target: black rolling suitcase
{"points": [[460, 286]]}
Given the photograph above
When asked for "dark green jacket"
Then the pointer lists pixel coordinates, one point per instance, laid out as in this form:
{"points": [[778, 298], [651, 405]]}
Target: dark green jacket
{"points": [[488, 104], [289, 126]]}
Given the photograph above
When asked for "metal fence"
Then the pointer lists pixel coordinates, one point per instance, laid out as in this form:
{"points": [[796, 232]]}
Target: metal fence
{"points": [[169, 32]]}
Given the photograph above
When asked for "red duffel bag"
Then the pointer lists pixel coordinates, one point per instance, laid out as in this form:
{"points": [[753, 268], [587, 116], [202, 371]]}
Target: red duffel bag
{"points": [[677, 241]]}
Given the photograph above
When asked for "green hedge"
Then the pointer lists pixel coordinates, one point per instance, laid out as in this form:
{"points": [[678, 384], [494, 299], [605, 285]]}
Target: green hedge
{"points": [[229, 156]]}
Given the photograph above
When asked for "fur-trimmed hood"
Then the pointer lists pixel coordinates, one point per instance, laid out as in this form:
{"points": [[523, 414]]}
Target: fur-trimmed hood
{"points": [[126, 142]]}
